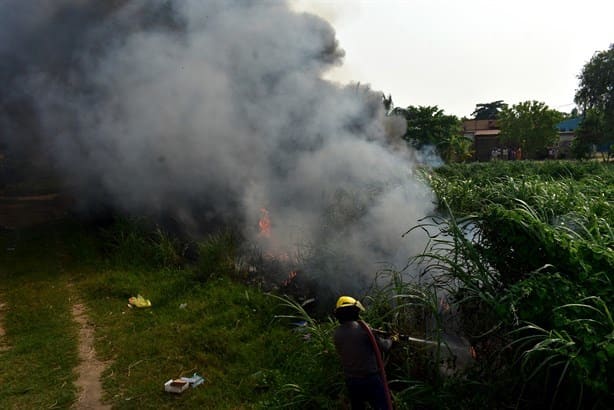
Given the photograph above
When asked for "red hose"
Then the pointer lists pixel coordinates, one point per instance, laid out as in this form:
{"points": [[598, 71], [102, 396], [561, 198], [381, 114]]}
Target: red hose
{"points": [[380, 361]]}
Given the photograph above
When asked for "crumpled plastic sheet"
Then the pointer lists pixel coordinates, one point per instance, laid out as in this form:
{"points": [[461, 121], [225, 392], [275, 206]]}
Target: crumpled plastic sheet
{"points": [[139, 301]]}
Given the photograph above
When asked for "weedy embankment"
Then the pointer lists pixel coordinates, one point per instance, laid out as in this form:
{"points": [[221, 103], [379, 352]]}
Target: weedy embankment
{"points": [[531, 256]]}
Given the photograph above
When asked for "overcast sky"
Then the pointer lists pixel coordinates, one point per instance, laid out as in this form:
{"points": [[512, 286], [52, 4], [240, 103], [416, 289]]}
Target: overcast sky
{"points": [[458, 53]]}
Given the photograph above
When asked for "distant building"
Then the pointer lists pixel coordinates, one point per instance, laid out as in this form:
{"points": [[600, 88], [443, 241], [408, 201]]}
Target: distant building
{"points": [[567, 133], [485, 137]]}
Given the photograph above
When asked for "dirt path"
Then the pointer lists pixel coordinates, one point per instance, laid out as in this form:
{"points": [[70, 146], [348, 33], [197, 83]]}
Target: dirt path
{"points": [[3, 343], [90, 369], [19, 212]]}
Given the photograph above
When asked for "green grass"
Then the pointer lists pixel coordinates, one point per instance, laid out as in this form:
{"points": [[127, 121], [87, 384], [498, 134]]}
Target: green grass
{"points": [[221, 330], [199, 322], [37, 369], [534, 284]]}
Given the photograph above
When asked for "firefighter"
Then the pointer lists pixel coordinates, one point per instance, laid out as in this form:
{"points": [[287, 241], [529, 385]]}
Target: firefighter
{"points": [[360, 352]]}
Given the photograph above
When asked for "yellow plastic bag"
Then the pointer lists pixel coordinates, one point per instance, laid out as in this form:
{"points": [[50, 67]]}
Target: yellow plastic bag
{"points": [[139, 302]]}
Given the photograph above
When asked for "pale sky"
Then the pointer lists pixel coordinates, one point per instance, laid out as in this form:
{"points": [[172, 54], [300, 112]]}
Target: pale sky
{"points": [[458, 53]]}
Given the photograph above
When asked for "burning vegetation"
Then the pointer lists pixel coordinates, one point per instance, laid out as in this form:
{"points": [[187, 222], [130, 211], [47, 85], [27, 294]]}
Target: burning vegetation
{"points": [[196, 114]]}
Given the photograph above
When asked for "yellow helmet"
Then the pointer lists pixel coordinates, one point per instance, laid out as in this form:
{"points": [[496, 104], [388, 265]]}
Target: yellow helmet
{"points": [[347, 301]]}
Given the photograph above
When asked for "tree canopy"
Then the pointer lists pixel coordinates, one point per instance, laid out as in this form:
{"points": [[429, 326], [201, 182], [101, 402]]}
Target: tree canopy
{"points": [[428, 125], [530, 125], [597, 82], [596, 97], [589, 133], [488, 111]]}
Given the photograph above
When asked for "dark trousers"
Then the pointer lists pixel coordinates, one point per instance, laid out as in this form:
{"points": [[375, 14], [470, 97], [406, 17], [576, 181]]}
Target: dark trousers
{"points": [[365, 390]]}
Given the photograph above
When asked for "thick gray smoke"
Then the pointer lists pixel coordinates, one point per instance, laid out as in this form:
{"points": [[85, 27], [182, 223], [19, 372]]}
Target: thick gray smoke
{"points": [[156, 106]]}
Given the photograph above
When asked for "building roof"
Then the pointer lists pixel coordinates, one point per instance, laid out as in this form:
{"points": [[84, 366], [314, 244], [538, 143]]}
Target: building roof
{"points": [[475, 125], [570, 124], [487, 132]]}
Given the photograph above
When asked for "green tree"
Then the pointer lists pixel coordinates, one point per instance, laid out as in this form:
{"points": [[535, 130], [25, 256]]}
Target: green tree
{"points": [[530, 125], [488, 111], [596, 96], [596, 91], [428, 125], [591, 132]]}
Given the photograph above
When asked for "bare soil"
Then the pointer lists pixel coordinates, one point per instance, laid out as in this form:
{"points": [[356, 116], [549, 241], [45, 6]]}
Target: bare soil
{"points": [[90, 369], [3, 343]]}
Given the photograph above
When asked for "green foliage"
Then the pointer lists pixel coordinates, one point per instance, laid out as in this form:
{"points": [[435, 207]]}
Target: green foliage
{"points": [[395, 304], [428, 125], [581, 149], [455, 148], [313, 378], [592, 131], [579, 351], [544, 234], [488, 111], [522, 250], [132, 241], [555, 187], [596, 90], [216, 256], [530, 125]]}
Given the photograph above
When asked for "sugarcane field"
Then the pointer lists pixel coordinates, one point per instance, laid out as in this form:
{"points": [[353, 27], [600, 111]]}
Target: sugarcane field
{"points": [[212, 205]]}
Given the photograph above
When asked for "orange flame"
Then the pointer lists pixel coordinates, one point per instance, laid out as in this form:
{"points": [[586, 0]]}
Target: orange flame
{"points": [[289, 279], [264, 223]]}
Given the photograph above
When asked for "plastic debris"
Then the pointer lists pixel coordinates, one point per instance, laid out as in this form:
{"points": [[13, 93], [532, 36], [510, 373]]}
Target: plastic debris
{"points": [[183, 383], [195, 380], [139, 301], [183, 306], [176, 386]]}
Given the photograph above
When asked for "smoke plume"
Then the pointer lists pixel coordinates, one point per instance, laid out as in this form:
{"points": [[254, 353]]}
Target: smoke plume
{"points": [[156, 106]]}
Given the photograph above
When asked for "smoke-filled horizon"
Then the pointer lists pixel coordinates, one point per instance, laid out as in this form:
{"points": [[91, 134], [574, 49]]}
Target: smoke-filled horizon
{"points": [[156, 106]]}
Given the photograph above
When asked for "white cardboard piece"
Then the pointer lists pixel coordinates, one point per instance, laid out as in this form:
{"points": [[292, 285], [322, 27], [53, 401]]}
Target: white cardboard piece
{"points": [[176, 386]]}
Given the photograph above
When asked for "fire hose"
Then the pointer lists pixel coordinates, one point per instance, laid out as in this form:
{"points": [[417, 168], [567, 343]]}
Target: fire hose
{"points": [[470, 350], [379, 358], [380, 362], [405, 337]]}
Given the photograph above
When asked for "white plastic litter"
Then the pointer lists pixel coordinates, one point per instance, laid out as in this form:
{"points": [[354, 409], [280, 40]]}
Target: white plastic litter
{"points": [[195, 380], [176, 386]]}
